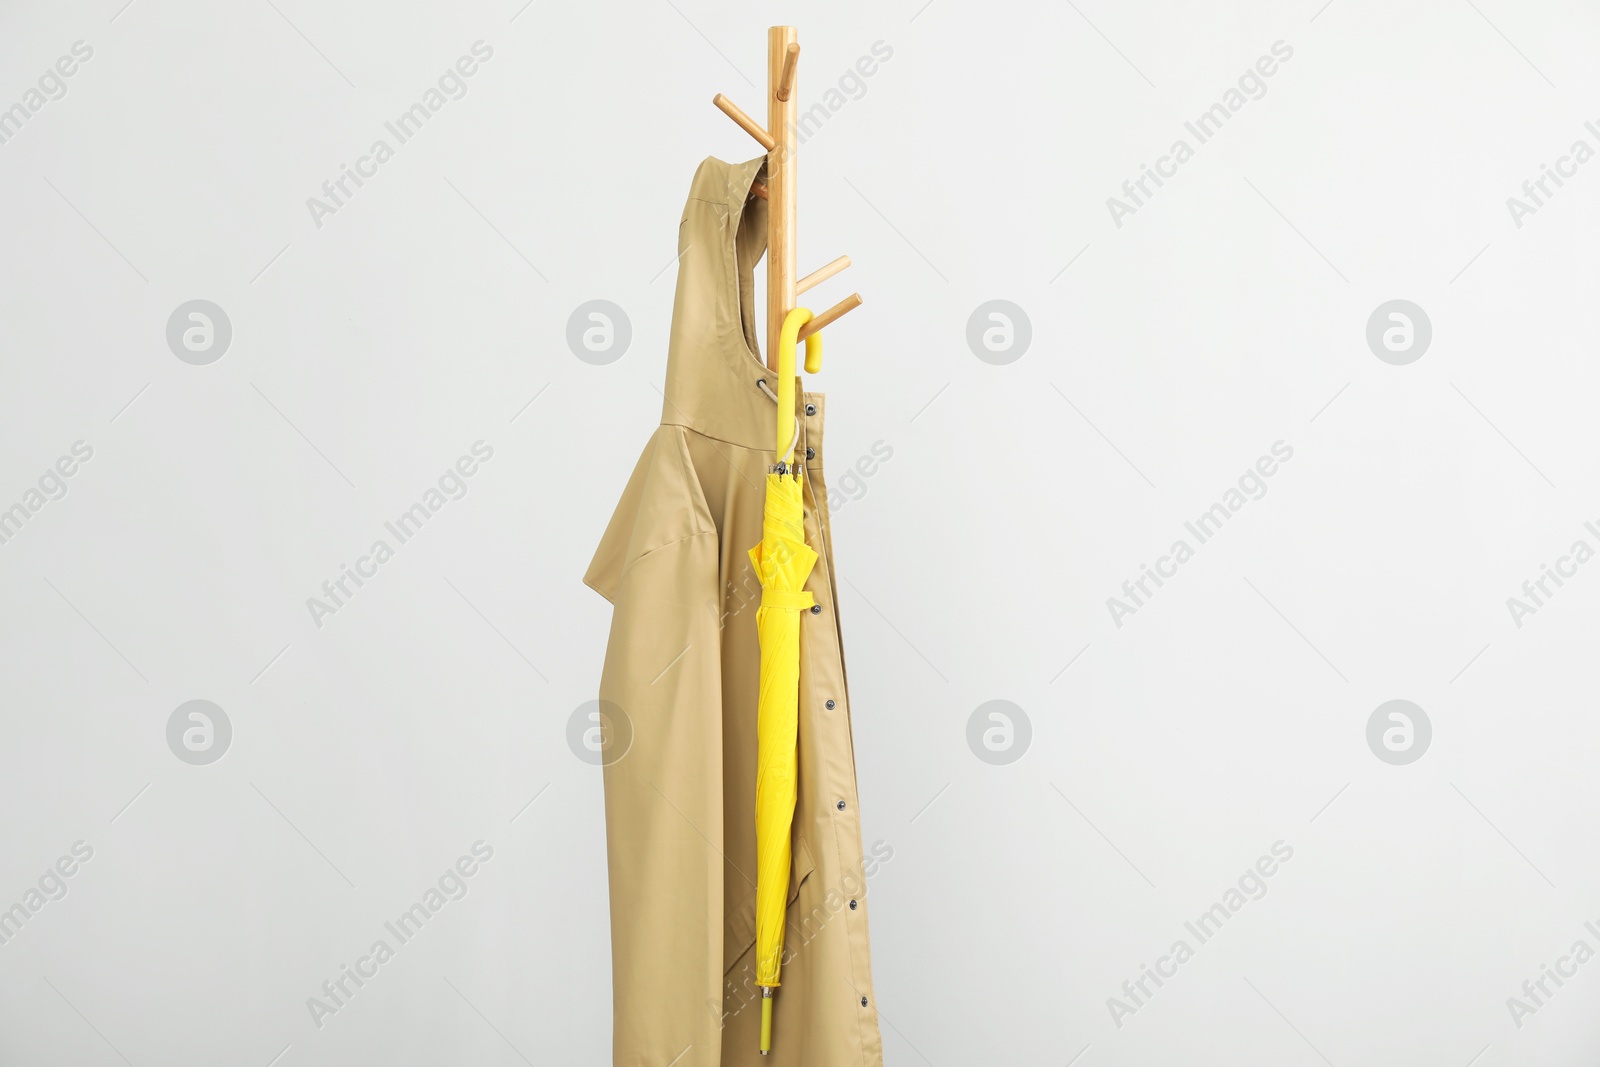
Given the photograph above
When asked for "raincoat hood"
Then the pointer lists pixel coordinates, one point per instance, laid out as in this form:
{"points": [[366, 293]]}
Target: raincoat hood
{"points": [[714, 361]]}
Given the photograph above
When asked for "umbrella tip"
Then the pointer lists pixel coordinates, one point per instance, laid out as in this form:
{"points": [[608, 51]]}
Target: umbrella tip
{"points": [[766, 1020]]}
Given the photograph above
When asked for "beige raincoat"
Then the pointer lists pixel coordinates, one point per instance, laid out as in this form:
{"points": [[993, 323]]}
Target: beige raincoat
{"points": [[681, 675]]}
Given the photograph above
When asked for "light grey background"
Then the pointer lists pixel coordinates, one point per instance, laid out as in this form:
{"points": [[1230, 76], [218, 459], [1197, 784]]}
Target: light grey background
{"points": [[430, 712]]}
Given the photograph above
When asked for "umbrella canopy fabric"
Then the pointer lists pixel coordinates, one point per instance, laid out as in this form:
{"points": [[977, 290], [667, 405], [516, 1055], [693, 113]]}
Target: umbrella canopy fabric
{"points": [[783, 561]]}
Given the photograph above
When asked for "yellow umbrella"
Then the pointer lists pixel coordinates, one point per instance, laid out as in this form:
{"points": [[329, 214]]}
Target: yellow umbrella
{"points": [[782, 561]]}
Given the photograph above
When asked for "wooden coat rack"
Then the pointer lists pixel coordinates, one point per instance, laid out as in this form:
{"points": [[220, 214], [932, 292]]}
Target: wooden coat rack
{"points": [[783, 57]]}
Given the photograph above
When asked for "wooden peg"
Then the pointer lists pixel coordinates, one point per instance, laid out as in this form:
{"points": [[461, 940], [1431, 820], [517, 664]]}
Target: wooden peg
{"points": [[849, 303], [745, 122], [822, 274], [759, 190], [786, 82]]}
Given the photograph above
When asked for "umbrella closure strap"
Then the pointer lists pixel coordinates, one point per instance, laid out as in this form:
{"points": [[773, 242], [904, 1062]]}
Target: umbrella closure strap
{"points": [[791, 600]]}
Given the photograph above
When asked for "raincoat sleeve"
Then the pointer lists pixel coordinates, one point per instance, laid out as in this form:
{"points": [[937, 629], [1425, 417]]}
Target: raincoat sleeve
{"points": [[658, 564]]}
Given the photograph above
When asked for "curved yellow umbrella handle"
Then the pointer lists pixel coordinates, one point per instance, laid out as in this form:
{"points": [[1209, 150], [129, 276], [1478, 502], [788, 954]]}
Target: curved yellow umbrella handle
{"points": [[785, 432]]}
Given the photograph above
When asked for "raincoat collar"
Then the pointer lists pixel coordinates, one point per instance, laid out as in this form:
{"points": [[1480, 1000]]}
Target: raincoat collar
{"points": [[713, 357]]}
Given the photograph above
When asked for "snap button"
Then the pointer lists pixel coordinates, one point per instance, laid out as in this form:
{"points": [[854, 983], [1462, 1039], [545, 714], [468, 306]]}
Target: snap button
{"points": [[831, 705], [811, 409], [816, 609], [841, 805], [863, 1002], [852, 905], [811, 453]]}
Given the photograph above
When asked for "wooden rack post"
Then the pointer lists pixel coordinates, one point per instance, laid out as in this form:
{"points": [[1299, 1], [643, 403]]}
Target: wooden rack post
{"points": [[781, 183], [779, 139]]}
